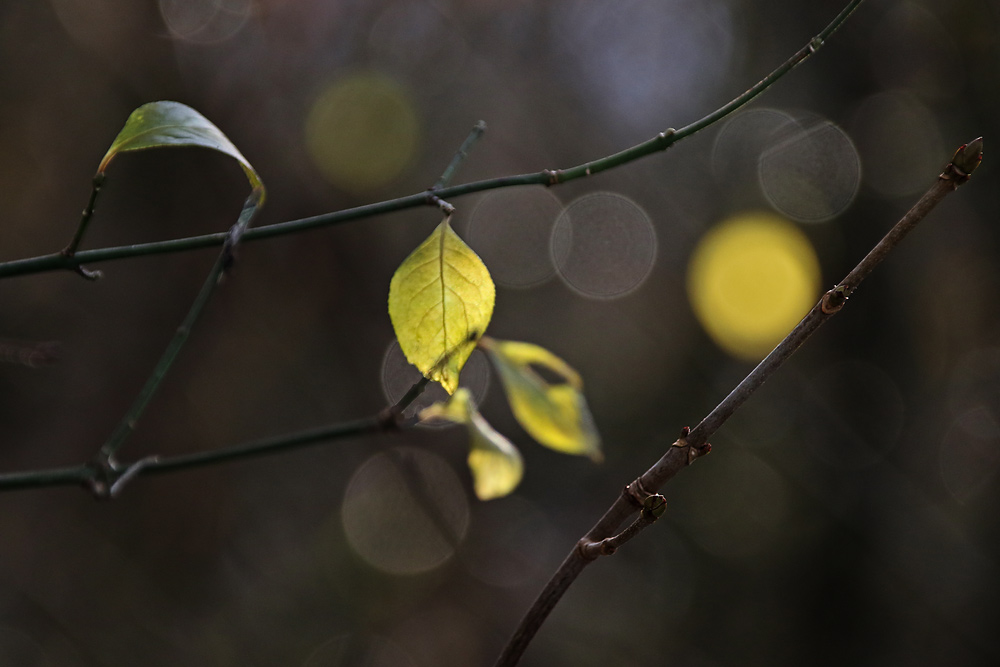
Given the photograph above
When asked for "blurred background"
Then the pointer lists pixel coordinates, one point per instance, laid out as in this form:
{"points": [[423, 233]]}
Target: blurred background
{"points": [[847, 514]]}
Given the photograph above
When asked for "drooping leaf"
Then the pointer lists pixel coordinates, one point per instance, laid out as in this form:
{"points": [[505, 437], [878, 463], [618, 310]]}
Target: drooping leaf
{"points": [[440, 302], [174, 124], [495, 463], [556, 415]]}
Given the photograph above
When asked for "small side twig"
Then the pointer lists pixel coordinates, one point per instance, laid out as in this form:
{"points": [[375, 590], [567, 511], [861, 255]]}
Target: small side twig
{"points": [[694, 443], [652, 509], [460, 156]]}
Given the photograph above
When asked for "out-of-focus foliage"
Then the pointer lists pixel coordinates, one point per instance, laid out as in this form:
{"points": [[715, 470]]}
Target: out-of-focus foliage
{"points": [[553, 413], [495, 463], [846, 514], [750, 280]]}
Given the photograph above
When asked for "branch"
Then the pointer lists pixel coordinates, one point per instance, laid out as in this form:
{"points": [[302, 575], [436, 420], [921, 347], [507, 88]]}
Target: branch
{"points": [[694, 443], [460, 156], [105, 457], [547, 177], [105, 476]]}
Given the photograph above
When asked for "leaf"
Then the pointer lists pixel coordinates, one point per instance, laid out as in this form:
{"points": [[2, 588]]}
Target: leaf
{"points": [[440, 302], [556, 415], [174, 124], [495, 463]]}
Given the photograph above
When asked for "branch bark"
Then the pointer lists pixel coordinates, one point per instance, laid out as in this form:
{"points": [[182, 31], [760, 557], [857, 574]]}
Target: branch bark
{"points": [[694, 443]]}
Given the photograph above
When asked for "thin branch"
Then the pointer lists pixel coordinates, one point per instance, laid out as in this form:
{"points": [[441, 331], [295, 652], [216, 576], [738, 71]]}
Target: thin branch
{"points": [[89, 475], [225, 260], [547, 177], [460, 156], [694, 443]]}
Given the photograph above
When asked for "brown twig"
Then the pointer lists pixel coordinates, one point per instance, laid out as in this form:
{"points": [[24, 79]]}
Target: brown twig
{"points": [[694, 443]]}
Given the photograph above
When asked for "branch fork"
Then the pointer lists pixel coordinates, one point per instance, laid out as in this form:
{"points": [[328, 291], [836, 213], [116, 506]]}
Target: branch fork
{"points": [[109, 477], [653, 508]]}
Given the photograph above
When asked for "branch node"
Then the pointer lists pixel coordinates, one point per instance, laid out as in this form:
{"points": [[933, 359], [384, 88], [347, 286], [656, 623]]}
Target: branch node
{"points": [[589, 550], [815, 44], [653, 508], [109, 476], [555, 176], [131, 472], [695, 453], [666, 138], [434, 200], [835, 299], [636, 494], [388, 418], [104, 475]]}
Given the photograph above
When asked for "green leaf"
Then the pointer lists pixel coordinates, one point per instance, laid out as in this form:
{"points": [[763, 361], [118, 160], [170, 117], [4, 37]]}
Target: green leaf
{"points": [[556, 415], [495, 463], [174, 124], [440, 302]]}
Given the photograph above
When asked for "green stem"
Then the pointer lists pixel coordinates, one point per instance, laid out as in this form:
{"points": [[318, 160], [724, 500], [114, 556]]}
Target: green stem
{"points": [[222, 263], [263, 447], [34, 479], [546, 177], [460, 156], [88, 474], [127, 425]]}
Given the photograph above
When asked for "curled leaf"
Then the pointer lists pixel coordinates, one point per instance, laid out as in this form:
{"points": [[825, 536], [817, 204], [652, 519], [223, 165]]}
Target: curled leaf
{"points": [[495, 463], [167, 123], [556, 415], [440, 301]]}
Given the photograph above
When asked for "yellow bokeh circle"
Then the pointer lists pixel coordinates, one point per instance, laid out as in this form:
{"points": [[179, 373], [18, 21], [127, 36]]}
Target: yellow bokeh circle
{"points": [[750, 280], [362, 131]]}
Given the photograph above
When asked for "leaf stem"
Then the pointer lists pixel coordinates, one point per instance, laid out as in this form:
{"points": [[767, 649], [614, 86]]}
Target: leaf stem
{"points": [[547, 177], [694, 443]]}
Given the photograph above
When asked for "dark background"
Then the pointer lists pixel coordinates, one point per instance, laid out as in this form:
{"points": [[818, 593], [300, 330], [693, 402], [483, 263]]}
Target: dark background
{"points": [[847, 515]]}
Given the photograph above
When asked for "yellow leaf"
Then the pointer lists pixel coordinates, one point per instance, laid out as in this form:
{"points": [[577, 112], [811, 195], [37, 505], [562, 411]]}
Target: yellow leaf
{"points": [[495, 463], [440, 302], [556, 415]]}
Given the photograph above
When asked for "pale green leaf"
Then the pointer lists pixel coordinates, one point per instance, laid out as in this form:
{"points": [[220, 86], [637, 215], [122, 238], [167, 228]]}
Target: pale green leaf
{"points": [[556, 415], [174, 124], [495, 463], [440, 302]]}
